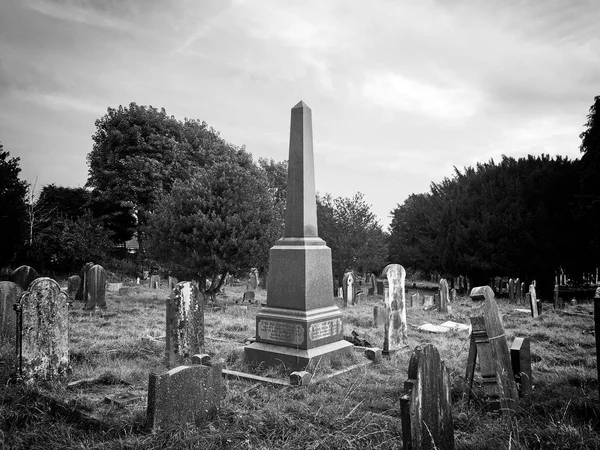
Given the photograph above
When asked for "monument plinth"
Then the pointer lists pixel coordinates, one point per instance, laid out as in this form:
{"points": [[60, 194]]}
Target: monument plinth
{"points": [[301, 325]]}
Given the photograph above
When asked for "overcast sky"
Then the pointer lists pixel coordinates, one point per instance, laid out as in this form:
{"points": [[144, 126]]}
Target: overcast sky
{"points": [[400, 91]]}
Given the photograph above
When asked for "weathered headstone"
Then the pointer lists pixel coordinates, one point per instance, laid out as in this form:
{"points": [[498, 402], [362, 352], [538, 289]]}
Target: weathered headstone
{"points": [[360, 297], [518, 291], [597, 331], [533, 300], [444, 294], [378, 316], [414, 300], [395, 327], [380, 287], [185, 394], [428, 301], [82, 291], [522, 290], [511, 290], [480, 293], [488, 342], [252, 283], [373, 283], [556, 298], [154, 281], [426, 405], [460, 283], [453, 295], [300, 326], [348, 287], [172, 282], [95, 287], [24, 276], [72, 286], [520, 356], [45, 330], [249, 297], [9, 295], [185, 324]]}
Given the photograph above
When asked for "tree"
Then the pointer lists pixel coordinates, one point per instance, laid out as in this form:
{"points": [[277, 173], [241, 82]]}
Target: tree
{"points": [[13, 207], [276, 174], [221, 219]]}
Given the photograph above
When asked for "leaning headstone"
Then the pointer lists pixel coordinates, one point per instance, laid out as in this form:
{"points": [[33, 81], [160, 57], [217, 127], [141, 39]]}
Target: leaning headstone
{"points": [[520, 356], [9, 295], [185, 394], [395, 327], [444, 294], [72, 286], [426, 405], [155, 282], [480, 293], [45, 330], [488, 341], [348, 288], [82, 292], [24, 276], [533, 300], [95, 287], [185, 324]]}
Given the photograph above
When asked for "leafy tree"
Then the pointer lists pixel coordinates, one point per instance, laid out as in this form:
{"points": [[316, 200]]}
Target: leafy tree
{"points": [[13, 213], [276, 174], [62, 201], [221, 219]]}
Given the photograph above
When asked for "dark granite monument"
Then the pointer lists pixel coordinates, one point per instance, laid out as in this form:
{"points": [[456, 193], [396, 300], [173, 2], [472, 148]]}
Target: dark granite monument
{"points": [[301, 324]]}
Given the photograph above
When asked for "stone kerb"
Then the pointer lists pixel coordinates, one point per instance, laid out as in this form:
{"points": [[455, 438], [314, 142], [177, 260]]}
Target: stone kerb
{"points": [[185, 323], [9, 295], [185, 394], [45, 330]]}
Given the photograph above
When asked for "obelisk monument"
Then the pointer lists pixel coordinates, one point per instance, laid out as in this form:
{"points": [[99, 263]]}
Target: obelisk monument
{"points": [[300, 325]]}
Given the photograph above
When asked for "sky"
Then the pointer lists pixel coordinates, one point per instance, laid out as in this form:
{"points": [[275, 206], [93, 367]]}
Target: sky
{"points": [[401, 92]]}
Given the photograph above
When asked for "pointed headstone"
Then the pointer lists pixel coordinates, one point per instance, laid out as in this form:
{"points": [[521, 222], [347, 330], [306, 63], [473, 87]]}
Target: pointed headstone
{"points": [[300, 325]]}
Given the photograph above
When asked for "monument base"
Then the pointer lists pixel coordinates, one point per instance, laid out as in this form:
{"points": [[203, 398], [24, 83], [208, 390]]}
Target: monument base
{"points": [[295, 358]]}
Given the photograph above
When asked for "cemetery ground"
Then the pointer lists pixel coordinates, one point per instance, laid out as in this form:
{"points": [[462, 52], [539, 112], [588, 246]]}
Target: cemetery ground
{"points": [[112, 355]]}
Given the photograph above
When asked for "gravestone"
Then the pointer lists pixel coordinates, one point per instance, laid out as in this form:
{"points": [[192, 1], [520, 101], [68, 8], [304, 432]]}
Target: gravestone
{"points": [[378, 316], [488, 342], [460, 283], [414, 300], [95, 286], [522, 290], [155, 282], [172, 282], [480, 293], [444, 296], [9, 295], [518, 291], [45, 330], [373, 282], [380, 287], [185, 324], [300, 326], [520, 357], [82, 291], [428, 301], [597, 331], [395, 326], [24, 276], [252, 283], [452, 295], [426, 405], [185, 394], [348, 287], [360, 296], [533, 303], [72, 285], [249, 297], [511, 290]]}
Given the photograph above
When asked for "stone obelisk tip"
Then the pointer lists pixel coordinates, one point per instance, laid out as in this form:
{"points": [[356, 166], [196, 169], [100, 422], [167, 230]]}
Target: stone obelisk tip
{"points": [[301, 104]]}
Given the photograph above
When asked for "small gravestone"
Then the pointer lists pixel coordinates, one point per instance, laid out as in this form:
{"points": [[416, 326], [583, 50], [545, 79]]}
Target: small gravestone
{"points": [[520, 357], [378, 316], [24, 276], [373, 283], [185, 394], [360, 297], [72, 286], [523, 290], [95, 287], [488, 342], [114, 287], [380, 287], [45, 330], [249, 297], [443, 296], [453, 295], [557, 302], [426, 404], [395, 326], [533, 303], [348, 288], [82, 292], [518, 291], [480, 293], [185, 324], [428, 301], [511, 290], [155, 282], [414, 300], [172, 282], [252, 283], [9, 295]]}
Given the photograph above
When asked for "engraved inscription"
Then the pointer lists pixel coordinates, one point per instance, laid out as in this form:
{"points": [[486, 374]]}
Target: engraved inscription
{"points": [[287, 333], [325, 329]]}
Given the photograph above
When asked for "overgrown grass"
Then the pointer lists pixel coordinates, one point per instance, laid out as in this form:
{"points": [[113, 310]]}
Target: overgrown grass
{"points": [[357, 410]]}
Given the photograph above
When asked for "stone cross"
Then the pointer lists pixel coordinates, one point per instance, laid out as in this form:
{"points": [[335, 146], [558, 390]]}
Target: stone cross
{"points": [[44, 313], [9, 295], [185, 394], [185, 324], [95, 285], [395, 307], [426, 405], [444, 296], [23, 276]]}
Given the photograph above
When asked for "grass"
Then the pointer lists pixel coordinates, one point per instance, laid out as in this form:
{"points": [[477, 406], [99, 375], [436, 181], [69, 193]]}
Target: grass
{"points": [[357, 410]]}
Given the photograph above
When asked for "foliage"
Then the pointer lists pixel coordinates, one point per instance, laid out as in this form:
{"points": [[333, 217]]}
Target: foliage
{"points": [[276, 174], [13, 193], [352, 232], [220, 219]]}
